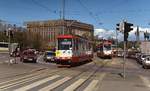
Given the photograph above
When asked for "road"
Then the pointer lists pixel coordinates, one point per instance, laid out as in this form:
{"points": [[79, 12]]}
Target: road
{"points": [[98, 75]]}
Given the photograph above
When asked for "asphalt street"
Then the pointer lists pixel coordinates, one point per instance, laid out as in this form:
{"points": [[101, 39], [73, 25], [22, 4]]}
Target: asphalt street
{"points": [[98, 75]]}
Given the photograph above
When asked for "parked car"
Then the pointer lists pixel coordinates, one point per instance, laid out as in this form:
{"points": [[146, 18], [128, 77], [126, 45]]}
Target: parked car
{"points": [[49, 56], [137, 55], [141, 58], [28, 56], [146, 62]]}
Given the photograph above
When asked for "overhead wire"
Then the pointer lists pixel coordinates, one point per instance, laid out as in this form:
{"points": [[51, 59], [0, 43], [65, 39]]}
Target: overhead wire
{"points": [[44, 7], [90, 12]]}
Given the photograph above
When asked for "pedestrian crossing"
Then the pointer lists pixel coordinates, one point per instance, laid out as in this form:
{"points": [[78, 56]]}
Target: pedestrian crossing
{"points": [[42, 82]]}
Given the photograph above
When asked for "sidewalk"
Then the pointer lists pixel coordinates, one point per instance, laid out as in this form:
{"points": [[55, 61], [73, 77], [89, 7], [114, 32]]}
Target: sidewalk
{"points": [[114, 82]]}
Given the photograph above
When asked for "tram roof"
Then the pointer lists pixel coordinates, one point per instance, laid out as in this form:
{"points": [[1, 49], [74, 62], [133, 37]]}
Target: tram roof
{"points": [[73, 36]]}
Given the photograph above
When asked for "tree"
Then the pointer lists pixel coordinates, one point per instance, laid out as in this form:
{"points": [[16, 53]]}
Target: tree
{"points": [[36, 41], [120, 45], [3, 37]]}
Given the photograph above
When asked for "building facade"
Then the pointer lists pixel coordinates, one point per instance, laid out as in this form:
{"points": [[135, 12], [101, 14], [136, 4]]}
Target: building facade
{"points": [[52, 28]]}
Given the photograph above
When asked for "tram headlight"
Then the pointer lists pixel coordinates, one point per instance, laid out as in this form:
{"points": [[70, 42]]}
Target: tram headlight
{"points": [[107, 52], [69, 52]]}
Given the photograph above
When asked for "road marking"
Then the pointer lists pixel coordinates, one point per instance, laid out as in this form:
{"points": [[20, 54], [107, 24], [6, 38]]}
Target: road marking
{"points": [[20, 82], [76, 84], [25, 88], [56, 84], [24, 77], [91, 86], [2, 56], [100, 80], [145, 80]]}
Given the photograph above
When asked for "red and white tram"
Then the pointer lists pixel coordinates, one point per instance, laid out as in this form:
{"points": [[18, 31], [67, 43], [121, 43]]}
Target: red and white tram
{"points": [[104, 49], [73, 49]]}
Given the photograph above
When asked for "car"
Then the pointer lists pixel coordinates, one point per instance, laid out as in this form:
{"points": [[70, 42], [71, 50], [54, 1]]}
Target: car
{"points": [[49, 56], [146, 62], [141, 58], [137, 55], [28, 56]]}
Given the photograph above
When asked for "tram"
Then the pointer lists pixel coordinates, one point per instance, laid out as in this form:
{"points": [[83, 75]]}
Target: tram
{"points": [[104, 49], [72, 49], [4, 47]]}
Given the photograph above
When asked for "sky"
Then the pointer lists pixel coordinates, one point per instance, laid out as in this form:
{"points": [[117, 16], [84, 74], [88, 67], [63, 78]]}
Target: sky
{"points": [[102, 14]]}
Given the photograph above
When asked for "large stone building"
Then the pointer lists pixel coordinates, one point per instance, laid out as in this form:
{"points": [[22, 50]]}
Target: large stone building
{"points": [[52, 28]]}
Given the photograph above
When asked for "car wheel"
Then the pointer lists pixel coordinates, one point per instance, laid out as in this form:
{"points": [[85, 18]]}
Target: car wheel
{"points": [[144, 67], [23, 61], [35, 61]]}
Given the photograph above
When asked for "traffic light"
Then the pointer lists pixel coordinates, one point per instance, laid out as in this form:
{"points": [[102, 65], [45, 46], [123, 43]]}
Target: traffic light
{"points": [[117, 28], [128, 26], [146, 35], [120, 27], [127, 29], [5, 32], [126, 34], [11, 33]]}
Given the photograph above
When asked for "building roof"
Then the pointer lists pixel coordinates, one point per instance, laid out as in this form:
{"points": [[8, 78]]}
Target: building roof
{"points": [[67, 23]]}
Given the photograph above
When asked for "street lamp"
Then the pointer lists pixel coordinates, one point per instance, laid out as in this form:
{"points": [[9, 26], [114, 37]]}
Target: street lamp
{"points": [[9, 29], [70, 24]]}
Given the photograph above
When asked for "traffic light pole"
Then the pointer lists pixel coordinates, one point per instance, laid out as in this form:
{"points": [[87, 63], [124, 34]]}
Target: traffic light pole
{"points": [[9, 45], [124, 60], [125, 28]]}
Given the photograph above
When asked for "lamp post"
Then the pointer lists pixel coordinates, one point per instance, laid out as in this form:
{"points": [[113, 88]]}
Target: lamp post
{"points": [[9, 40], [69, 25]]}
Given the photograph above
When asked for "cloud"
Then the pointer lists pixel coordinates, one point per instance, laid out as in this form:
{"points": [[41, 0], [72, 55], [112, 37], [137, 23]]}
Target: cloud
{"points": [[132, 35], [105, 33]]}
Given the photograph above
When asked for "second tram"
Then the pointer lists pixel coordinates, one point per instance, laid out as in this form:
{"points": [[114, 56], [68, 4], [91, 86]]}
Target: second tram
{"points": [[104, 49]]}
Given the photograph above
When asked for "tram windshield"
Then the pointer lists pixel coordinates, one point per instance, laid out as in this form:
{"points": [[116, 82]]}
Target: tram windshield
{"points": [[64, 44], [107, 47]]}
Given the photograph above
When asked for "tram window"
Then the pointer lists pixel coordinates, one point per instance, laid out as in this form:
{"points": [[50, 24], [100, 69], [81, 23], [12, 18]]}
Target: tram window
{"points": [[4, 45], [64, 44], [76, 44], [100, 48]]}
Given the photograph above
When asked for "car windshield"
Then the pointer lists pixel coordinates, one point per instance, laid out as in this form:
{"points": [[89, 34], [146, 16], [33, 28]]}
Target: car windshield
{"points": [[31, 53], [50, 54], [143, 56]]}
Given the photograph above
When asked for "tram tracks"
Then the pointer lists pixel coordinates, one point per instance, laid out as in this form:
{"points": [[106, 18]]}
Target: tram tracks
{"points": [[74, 80], [28, 78], [82, 78]]}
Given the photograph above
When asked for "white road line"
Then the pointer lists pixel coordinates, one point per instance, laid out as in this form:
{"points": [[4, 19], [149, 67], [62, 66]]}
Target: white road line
{"points": [[91, 86], [12, 84], [24, 77], [76, 84], [2, 56], [145, 80], [55, 84], [100, 81], [25, 88]]}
